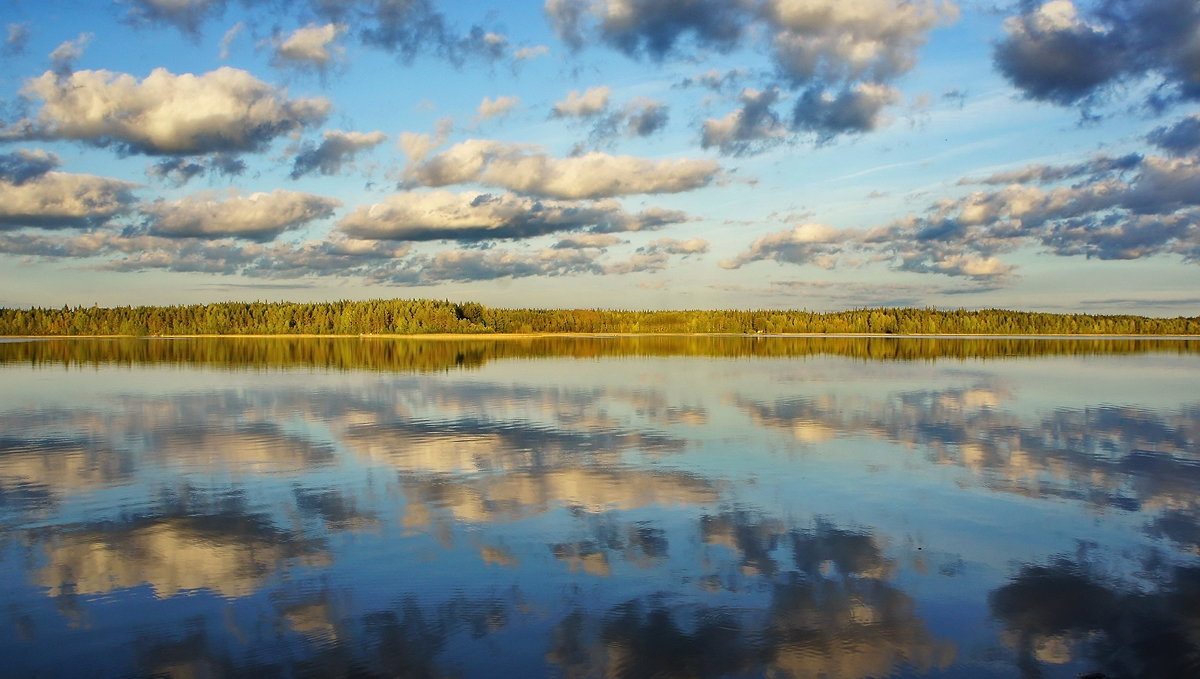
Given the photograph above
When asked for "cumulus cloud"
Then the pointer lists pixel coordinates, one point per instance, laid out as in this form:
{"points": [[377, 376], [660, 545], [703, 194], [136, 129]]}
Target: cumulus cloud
{"points": [[473, 216], [587, 240], [336, 149], [310, 47], [1057, 53], [867, 40], [643, 117], [491, 264], [165, 114], [36, 196], [376, 262], [581, 105], [808, 243], [417, 146], [258, 216], [489, 108], [674, 246], [1109, 210], [526, 169], [341, 257], [372, 260], [484, 265], [851, 111], [854, 50], [750, 129]]}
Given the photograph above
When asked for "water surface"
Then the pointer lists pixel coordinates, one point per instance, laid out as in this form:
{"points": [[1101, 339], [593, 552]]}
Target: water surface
{"points": [[624, 507]]}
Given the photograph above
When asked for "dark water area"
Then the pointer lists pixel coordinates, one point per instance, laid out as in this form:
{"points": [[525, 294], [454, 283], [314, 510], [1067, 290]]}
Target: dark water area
{"points": [[607, 507]]}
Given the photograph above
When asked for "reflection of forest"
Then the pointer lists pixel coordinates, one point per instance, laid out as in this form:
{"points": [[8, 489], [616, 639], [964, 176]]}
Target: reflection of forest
{"points": [[423, 355]]}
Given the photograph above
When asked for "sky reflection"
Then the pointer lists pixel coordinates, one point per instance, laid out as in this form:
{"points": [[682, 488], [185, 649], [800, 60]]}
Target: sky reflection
{"points": [[604, 516]]}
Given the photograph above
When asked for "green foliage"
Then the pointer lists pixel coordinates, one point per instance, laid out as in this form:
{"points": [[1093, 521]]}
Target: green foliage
{"points": [[422, 316]]}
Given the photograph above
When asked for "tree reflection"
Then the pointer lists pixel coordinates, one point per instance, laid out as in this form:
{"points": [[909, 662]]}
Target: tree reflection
{"points": [[399, 354]]}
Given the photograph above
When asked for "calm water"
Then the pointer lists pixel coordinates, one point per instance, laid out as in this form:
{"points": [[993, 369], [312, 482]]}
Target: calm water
{"points": [[839, 508]]}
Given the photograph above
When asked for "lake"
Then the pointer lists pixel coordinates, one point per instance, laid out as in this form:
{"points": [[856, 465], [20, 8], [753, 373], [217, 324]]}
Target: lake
{"points": [[611, 506]]}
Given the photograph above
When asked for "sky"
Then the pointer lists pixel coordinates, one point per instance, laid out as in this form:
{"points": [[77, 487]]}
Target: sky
{"points": [[631, 154]]}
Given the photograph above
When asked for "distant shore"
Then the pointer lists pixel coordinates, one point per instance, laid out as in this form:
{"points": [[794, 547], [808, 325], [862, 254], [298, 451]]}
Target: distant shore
{"points": [[601, 335], [431, 319]]}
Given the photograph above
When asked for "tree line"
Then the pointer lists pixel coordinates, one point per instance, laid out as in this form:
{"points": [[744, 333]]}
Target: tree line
{"points": [[424, 316]]}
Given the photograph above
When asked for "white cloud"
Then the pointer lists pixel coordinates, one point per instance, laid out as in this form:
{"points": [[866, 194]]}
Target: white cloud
{"points": [[581, 105], [489, 108], [673, 246], [838, 41], [48, 199], [223, 110], [472, 216], [808, 243], [528, 170], [751, 128], [258, 216], [310, 47], [530, 53], [588, 240]]}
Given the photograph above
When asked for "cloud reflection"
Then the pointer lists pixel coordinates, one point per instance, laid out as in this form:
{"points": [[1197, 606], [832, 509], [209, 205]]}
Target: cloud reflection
{"points": [[1065, 609], [832, 613], [231, 554], [1112, 458]]}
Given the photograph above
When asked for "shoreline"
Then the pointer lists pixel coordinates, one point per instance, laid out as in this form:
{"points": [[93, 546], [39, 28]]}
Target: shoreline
{"points": [[604, 335]]}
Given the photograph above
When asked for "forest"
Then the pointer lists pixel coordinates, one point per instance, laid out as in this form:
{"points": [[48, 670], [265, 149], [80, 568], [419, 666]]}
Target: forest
{"points": [[425, 316]]}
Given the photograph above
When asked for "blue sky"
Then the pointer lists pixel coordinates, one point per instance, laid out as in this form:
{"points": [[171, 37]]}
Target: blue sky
{"points": [[815, 154]]}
